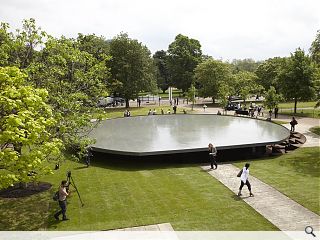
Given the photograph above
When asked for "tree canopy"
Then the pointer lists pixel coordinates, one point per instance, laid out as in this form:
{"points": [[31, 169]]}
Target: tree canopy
{"points": [[26, 123], [131, 67], [184, 54]]}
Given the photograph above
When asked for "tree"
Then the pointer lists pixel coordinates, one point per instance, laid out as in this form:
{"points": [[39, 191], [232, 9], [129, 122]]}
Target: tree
{"points": [[209, 74], [224, 91], [315, 49], [26, 122], [297, 78], [272, 99], [247, 64], [160, 59], [75, 80], [268, 72], [191, 94], [245, 83], [131, 66], [184, 54]]}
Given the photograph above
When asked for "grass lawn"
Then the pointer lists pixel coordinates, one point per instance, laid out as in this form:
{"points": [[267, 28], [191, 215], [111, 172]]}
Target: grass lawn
{"points": [[315, 130], [296, 174], [279, 122], [312, 113], [132, 194], [299, 104]]}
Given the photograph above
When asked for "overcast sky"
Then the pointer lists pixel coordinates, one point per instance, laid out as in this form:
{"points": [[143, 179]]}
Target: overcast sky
{"points": [[226, 29]]}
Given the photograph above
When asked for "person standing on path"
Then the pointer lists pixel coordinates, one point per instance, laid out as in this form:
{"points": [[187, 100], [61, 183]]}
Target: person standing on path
{"points": [[244, 179], [293, 124], [212, 155]]}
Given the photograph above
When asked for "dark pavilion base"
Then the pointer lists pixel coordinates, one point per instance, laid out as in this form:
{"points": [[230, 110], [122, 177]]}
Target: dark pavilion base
{"points": [[189, 157]]}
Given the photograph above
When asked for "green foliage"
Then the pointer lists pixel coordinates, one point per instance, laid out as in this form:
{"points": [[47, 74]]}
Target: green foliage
{"points": [[25, 124], [268, 71], [184, 54], [191, 95], [297, 78], [246, 84], [131, 67], [210, 74], [315, 49], [162, 74], [75, 80], [247, 65], [272, 99]]}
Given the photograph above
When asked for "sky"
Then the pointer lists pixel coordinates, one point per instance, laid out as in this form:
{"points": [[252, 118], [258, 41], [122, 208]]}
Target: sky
{"points": [[226, 29]]}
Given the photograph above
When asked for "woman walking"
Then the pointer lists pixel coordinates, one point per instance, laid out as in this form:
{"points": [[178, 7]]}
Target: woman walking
{"points": [[244, 179]]}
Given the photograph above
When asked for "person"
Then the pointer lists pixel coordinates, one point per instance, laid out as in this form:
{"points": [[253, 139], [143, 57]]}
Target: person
{"points": [[270, 113], [88, 156], [212, 155], [154, 112], [244, 179], [62, 201], [139, 102], [174, 109], [150, 112], [276, 110], [177, 101], [204, 107], [128, 113], [162, 112], [259, 110], [293, 124], [184, 111], [218, 113], [125, 113]]}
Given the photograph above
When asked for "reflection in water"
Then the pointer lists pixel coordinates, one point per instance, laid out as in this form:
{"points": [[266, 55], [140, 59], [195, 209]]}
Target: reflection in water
{"points": [[171, 132]]}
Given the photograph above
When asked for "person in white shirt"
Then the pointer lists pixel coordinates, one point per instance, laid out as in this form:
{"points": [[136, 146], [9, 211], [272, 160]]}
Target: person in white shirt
{"points": [[62, 201], [244, 179]]}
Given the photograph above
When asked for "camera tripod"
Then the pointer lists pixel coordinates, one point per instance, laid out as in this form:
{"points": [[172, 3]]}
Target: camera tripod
{"points": [[71, 182]]}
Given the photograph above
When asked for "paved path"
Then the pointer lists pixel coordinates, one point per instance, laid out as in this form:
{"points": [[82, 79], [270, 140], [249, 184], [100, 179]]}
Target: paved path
{"points": [[280, 210], [155, 227]]}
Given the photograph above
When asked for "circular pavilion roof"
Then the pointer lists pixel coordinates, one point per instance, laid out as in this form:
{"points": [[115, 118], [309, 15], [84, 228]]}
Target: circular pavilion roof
{"points": [[167, 134]]}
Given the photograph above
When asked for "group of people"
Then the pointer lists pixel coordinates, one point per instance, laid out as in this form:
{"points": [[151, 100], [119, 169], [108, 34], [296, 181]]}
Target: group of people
{"points": [[154, 111], [243, 174]]}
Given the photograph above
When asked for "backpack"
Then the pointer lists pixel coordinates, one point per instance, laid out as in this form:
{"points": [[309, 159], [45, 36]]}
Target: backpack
{"points": [[55, 196]]}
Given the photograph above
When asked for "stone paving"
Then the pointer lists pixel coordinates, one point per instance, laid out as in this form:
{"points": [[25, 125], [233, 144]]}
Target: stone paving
{"points": [[155, 227], [280, 210]]}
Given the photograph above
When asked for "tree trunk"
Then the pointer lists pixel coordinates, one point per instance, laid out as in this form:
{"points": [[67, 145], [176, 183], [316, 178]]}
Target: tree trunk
{"points": [[163, 91], [127, 103], [213, 100], [295, 105]]}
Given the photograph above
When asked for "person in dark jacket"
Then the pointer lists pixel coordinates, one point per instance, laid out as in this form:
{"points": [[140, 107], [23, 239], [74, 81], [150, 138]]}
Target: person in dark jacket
{"points": [[212, 155]]}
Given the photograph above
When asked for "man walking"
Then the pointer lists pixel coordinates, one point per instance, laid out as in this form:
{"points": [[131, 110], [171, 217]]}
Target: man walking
{"points": [[244, 179], [212, 155], [62, 201]]}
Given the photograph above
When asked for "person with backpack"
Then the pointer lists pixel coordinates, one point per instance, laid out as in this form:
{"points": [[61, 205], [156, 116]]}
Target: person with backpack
{"points": [[293, 124], [62, 199], [244, 175]]}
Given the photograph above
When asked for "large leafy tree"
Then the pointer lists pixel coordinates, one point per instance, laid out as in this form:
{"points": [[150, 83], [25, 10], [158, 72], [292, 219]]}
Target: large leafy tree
{"points": [[272, 98], [210, 74], [131, 67], [184, 54], [315, 49], [245, 84], [26, 122], [74, 79], [268, 72], [297, 78], [246, 64], [160, 60]]}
